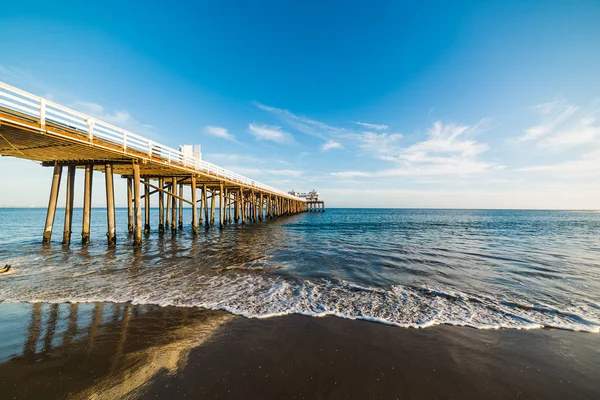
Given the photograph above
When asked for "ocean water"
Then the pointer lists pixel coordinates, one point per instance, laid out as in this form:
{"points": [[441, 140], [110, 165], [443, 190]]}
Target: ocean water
{"points": [[406, 267]]}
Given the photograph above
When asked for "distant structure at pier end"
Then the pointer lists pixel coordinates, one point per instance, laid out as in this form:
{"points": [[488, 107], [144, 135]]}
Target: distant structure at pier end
{"points": [[312, 200]]}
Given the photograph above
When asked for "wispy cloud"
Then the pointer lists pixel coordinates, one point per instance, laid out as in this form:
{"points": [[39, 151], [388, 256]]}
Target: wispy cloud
{"points": [[377, 127], [584, 167], [330, 144], [219, 132], [381, 145], [562, 126], [270, 132], [118, 117], [449, 150], [302, 123], [233, 157], [289, 173]]}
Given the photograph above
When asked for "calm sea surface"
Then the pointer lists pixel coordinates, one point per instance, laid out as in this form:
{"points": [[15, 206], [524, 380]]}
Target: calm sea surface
{"points": [[411, 268]]}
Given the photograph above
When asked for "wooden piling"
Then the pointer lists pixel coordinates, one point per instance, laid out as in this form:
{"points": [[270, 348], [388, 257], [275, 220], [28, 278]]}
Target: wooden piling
{"points": [[137, 235], [242, 208], [110, 204], [236, 206], [161, 206], [230, 206], [201, 201], [70, 194], [52, 203], [180, 222], [221, 205], [174, 206], [87, 203], [213, 198], [205, 201], [168, 207], [194, 206], [146, 207], [129, 205]]}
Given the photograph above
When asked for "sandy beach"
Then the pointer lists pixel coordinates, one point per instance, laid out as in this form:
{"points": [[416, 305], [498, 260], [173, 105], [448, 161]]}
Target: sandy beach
{"points": [[104, 350]]}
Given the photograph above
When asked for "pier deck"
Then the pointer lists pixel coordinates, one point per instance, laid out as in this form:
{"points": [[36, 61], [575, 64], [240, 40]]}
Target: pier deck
{"points": [[38, 129]]}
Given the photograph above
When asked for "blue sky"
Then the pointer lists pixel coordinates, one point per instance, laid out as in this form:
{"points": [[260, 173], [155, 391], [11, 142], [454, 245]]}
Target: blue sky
{"points": [[393, 104]]}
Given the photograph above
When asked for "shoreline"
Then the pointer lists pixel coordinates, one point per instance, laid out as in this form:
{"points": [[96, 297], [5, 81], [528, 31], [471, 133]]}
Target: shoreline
{"points": [[120, 349]]}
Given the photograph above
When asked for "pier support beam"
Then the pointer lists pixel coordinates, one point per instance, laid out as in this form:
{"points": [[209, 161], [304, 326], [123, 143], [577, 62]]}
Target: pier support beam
{"points": [[52, 203], [221, 205], [213, 198], [146, 207], [242, 207], [129, 205], [202, 202], [194, 206], [161, 206], [69, 205], [236, 206], [205, 205], [137, 235], [261, 205], [229, 205], [87, 203], [174, 206], [168, 207], [180, 222], [110, 204]]}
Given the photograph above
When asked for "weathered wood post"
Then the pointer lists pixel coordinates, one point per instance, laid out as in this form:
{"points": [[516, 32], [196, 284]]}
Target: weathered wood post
{"points": [[205, 201], [161, 206], [221, 205], [213, 198], [194, 205], [52, 203], [129, 205], [87, 203], [110, 204], [174, 206], [230, 205], [137, 234], [242, 207], [146, 206], [180, 224], [201, 201], [261, 205], [236, 206], [226, 206], [168, 207], [69, 204]]}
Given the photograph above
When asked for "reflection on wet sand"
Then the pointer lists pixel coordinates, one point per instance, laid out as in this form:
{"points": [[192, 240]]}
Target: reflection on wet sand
{"points": [[116, 352]]}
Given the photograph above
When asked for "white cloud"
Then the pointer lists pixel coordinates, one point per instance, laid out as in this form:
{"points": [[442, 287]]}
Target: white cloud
{"points": [[562, 126], [253, 172], [450, 150], [232, 157], [330, 144], [267, 132], [381, 145], [377, 127], [98, 111], [301, 123], [219, 132], [586, 166]]}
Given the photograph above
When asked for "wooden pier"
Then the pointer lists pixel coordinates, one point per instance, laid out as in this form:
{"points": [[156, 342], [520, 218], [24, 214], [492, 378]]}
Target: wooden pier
{"points": [[37, 129]]}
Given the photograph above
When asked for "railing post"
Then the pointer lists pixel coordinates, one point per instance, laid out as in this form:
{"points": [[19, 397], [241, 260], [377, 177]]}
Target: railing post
{"points": [[124, 140], [90, 124], [43, 113]]}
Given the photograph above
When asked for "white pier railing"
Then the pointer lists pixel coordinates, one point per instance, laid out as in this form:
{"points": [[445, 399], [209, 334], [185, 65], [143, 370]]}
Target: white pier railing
{"points": [[47, 111]]}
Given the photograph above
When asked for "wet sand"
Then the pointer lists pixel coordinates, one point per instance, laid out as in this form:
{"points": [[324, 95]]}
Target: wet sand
{"points": [[107, 350]]}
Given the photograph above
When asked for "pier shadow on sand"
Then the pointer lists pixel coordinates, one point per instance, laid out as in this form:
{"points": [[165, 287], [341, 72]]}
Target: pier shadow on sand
{"points": [[111, 350]]}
